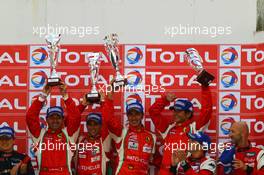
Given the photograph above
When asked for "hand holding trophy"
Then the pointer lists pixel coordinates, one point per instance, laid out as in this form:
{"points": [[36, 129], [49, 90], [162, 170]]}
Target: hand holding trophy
{"points": [[94, 63], [53, 50], [195, 61], [111, 46]]}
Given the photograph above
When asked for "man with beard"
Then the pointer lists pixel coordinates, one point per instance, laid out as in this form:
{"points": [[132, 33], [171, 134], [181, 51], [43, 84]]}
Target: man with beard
{"points": [[92, 156], [241, 158], [61, 133], [174, 128], [135, 145]]}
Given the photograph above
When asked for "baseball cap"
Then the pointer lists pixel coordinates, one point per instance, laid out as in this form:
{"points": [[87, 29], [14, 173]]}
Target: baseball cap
{"points": [[134, 106], [182, 105], [200, 137], [55, 110], [97, 117], [5, 130]]}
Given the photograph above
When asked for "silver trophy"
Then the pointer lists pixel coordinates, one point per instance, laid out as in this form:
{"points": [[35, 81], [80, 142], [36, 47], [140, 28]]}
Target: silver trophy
{"points": [[53, 50], [94, 62], [111, 46], [195, 61]]}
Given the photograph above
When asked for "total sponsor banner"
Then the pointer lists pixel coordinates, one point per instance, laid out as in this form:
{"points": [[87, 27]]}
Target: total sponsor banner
{"points": [[180, 78], [166, 55], [73, 78], [150, 69], [246, 78], [13, 56], [255, 124], [12, 103], [69, 55], [13, 80]]}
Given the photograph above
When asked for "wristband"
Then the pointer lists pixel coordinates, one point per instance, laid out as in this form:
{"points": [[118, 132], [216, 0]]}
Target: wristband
{"points": [[249, 169], [173, 169], [185, 165]]}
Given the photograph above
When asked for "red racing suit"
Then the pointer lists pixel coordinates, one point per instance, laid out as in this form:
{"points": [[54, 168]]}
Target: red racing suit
{"points": [[202, 166], [53, 149], [176, 134], [251, 156], [93, 160], [135, 147]]}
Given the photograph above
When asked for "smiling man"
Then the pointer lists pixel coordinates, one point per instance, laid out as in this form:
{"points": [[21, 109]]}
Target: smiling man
{"points": [[92, 157], [61, 132], [174, 128], [242, 158], [135, 145]]}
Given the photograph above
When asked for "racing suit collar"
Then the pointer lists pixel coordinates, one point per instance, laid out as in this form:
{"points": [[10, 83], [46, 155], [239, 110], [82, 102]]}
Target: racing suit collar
{"points": [[184, 124], [136, 128], [58, 131], [90, 138]]}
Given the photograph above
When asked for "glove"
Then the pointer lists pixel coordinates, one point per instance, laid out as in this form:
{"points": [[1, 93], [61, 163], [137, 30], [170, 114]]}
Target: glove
{"points": [[227, 156], [226, 159], [228, 168]]}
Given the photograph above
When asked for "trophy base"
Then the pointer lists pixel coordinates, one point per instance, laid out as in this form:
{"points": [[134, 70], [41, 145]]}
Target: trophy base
{"points": [[205, 78], [54, 82], [93, 97], [119, 83]]}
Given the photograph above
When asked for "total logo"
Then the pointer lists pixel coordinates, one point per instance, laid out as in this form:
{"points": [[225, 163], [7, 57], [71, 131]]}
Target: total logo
{"points": [[225, 123], [229, 102], [229, 79], [38, 78], [230, 55], [135, 77], [38, 56], [135, 55], [254, 125]]}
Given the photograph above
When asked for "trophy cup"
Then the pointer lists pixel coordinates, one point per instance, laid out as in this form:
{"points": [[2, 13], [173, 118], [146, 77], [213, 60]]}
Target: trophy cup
{"points": [[111, 46], [195, 61], [94, 62], [53, 49]]}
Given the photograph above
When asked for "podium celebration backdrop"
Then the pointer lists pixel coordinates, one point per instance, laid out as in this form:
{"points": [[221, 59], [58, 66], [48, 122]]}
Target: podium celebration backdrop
{"points": [[238, 90]]}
